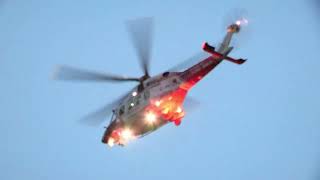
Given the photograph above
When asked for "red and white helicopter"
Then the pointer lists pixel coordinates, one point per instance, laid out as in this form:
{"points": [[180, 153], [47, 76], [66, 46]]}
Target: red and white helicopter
{"points": [[156, 100]]}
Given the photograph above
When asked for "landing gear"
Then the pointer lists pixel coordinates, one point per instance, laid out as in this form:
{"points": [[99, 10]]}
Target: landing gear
{"points": [[177, 122]]}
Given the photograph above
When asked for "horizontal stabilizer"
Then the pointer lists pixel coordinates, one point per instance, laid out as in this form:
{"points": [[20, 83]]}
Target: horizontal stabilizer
{"points": [[237, 61], [210, 49]]}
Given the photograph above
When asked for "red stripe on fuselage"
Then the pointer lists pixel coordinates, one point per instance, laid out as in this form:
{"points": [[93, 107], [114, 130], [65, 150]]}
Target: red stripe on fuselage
{"points": [[194, 74]]}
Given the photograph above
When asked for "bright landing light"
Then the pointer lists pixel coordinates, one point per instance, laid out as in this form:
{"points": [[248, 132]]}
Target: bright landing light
{"points": [[126, 134], [158, 103], [110, 142], [150, 117], [179, 110]]}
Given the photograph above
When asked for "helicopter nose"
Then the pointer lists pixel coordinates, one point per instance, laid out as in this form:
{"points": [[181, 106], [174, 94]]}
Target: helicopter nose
{"points": [[104, 138]]}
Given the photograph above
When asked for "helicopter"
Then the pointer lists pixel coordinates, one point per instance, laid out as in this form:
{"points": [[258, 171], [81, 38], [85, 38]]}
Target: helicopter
{"points": [[155, 100]]}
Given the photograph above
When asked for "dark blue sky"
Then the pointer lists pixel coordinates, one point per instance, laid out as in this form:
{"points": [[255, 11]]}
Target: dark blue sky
{"points": [[256, 121]]}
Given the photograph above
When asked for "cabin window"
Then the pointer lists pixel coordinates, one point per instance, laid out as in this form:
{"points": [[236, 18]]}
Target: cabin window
{"points": [[121, 111], [137, 102], [165, 74], [146, 95]]}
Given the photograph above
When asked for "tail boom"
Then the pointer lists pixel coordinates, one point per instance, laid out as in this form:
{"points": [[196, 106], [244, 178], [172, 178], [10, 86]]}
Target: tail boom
{"points": [[195, 73]]}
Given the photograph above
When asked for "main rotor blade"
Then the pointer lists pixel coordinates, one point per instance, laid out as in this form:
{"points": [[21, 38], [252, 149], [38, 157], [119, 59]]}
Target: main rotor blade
{"points": [[141, 34], [97, 117], [190, 61], [75, 74]]}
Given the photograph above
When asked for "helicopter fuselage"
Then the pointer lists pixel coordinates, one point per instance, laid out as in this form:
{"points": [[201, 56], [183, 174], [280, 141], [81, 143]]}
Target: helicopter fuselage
{"points": [[160, 102], [159, 99]]}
